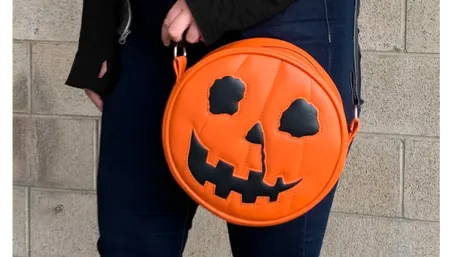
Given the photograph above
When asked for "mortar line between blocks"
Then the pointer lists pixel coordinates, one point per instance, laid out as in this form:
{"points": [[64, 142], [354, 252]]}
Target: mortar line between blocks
{"points": [[372, 216], [40, 41], [399, 136], [28, 219], [412, 54], [30, 78], [55, 116], [95, 151], [56, 189], [402, 175], [404, 23]]}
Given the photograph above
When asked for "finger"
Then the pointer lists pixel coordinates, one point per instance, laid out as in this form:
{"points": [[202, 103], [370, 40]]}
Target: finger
{"points": [[170, 17], [179, 25], [103, 69], [193, 35], [95, 98], [165, 36]]}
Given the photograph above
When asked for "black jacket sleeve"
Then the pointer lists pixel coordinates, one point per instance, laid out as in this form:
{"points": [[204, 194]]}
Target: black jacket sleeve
{"points": [[98, 37], [97, 43], [216, 17]]}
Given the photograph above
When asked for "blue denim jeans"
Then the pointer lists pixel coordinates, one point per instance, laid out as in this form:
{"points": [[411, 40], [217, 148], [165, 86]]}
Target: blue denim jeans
{"points": [[142, 211]]}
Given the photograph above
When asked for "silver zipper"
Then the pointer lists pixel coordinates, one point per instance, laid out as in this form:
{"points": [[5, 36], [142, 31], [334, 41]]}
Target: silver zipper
{"points": [[356, 52], [127, 17], [356, 32], [329, 31], [122, 38]]}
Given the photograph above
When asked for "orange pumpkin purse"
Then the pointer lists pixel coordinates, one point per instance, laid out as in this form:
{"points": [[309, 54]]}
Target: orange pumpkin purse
{"points": [[255, 132]]}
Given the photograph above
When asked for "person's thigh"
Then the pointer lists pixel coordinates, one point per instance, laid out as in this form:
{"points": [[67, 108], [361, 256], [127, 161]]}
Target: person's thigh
{"points": [[141, 209], [325, 29]]}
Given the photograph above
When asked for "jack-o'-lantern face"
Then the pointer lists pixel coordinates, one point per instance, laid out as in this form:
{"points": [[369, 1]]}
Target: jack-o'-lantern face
{"points": [[298, 120], [254, 147]]}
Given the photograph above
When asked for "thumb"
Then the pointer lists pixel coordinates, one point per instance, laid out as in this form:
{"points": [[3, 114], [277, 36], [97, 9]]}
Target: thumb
{"points": [[103, 69], [95, 98]]}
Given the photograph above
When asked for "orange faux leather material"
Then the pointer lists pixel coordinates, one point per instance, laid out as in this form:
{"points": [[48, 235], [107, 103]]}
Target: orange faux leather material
{"points": [[255, 132]]}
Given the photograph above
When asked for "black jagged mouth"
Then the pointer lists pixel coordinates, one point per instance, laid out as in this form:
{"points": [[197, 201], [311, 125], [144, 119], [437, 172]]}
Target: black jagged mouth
{"points": [[222, 176]]}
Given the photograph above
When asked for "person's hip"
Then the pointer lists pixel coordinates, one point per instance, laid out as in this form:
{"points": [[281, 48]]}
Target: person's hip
{"points": [[327, 30]]}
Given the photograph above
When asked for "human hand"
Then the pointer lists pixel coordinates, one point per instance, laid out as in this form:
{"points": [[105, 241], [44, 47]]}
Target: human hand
{"points": [[94, 97], [178, 19]]}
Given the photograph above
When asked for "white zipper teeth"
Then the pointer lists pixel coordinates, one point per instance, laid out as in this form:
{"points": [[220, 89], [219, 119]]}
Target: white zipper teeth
{"points": [[126, 31], [356, 46]]}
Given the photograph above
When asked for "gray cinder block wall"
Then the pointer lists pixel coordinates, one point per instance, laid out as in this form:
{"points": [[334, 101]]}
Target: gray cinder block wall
{"points": [[388, 198]]}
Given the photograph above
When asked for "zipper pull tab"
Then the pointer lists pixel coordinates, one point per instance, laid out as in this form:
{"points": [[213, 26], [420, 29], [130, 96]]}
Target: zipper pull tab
{"points": [[122, 39]]}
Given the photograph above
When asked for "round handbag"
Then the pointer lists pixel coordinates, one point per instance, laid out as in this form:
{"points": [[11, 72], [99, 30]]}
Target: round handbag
{"points": [[255, 132]]}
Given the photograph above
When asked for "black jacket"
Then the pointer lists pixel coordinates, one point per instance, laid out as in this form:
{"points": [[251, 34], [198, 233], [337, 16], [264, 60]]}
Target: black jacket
{"points": [[105, 23]]}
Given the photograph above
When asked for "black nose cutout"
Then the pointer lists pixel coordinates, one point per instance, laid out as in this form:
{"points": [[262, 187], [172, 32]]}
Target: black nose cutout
{"points": [[255, 135]]}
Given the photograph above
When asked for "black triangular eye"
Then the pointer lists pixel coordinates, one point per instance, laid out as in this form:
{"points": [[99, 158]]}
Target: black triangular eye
{"points": [[225, 95], [300, 119]]}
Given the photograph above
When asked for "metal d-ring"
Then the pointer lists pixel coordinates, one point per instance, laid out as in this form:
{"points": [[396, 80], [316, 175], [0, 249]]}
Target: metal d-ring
{"points": [[176, 49]]}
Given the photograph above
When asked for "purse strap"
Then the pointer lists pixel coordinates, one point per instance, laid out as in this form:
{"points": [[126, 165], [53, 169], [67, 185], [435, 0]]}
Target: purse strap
{"points": [[180, 62]]}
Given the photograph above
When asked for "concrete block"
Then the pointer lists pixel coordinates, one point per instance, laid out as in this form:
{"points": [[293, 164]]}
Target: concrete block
{"points": [[357, 236], [208, 236], [421, 180], [370, 183], [55, 20], [21, 77], [19, 222], [401, 94], [54, 152], [422, 30], [51, 66], [380, 25], [63, 224]]}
